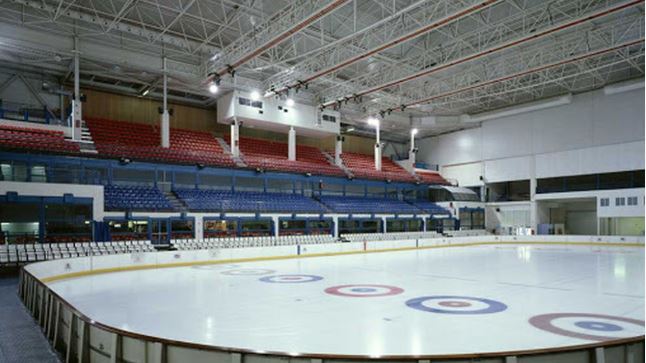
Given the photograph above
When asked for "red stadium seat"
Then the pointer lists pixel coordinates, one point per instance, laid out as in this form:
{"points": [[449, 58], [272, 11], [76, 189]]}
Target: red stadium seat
{"points": [[141, 142], [363, 166], [272, 155], [12, 137], [431, 177]]}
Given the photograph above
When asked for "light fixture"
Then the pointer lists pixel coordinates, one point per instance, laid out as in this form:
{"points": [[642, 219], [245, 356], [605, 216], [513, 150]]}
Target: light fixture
{"points": [[373, 121], [349, 129], [414, 131], [213, 88], [255, 96], [289, 102], [145, 92]]}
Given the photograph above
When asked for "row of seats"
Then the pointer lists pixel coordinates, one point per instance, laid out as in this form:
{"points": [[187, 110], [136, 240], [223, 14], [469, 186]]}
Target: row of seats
{"points": [[19, 254], [430, 207], [358, 205], [272, 155], [12, 137], [468, 233], [133, 197], [363, 166], [431, 177], [358, 237], [119, 139], [240, 242], [141, 142], [227, 201]]}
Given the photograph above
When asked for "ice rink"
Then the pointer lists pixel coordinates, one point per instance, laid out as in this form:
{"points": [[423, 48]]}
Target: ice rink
{"points": [[423, 302]]}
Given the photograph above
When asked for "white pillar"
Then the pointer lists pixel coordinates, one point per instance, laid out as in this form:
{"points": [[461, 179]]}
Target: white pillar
{"points": [[199, 228], [533, 208], [378, 148], [338, 150], [235, 137], [77, 108], [291, 147], [276, 226], [165, 117], [412, 153]]}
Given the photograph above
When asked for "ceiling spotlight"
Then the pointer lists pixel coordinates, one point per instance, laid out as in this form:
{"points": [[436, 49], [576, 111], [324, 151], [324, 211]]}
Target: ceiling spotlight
{"points": [[255, 96], [414, 132], [373, 121], [213, 88], [290, 102]]}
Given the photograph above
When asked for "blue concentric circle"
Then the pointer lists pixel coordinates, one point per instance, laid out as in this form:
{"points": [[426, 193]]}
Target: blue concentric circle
{"points": [[459, 309]]}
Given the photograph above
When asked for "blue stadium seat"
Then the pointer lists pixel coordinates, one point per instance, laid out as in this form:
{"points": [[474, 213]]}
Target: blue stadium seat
{"points": [[227, 201], [345, 204], [134, 197], [431, 207]]}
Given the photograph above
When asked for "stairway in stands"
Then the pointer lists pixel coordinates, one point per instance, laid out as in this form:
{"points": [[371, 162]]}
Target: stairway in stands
{"points": [[331, 160], [239, 162], [86, 143], [177, 203]]}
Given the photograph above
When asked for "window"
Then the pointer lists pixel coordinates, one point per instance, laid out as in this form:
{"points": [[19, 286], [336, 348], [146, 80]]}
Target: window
{"points": [[632, 200], [620, 201], [604, 202], [329, 118], [247, 102]]}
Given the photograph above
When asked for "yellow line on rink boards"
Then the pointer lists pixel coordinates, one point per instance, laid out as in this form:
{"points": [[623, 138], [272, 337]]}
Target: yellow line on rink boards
{"points": [[324, 254]]}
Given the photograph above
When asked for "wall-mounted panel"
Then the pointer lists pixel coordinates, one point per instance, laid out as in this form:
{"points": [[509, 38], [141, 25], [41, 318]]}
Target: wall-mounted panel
{"points": [[508, 169]]}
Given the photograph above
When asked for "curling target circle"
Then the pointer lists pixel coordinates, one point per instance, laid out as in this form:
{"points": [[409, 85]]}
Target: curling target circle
{"points": [[461, 305], [364, 290], [248, 272], [290, 279], [213, 267], [594, 327]]}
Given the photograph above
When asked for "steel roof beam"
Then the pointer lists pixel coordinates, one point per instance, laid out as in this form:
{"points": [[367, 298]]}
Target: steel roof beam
{"points": [[400, 38], [486, 52], [289, 21]]}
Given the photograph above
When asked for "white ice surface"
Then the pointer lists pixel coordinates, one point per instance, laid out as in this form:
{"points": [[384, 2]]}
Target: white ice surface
{"points": [[203, 305]]}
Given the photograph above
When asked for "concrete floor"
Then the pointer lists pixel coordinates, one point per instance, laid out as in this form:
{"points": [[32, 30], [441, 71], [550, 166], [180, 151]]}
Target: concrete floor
{"points": [[21, 340]]}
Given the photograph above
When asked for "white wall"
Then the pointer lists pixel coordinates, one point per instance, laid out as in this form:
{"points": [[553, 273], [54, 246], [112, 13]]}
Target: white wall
{"points": [[596, 133], [58, 190], [303, 117]]}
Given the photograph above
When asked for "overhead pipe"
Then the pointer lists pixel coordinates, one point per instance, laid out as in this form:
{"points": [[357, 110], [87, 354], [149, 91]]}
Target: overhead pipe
{"points": [[277, 39], [526, 72], [494, 49], [404, 38]]}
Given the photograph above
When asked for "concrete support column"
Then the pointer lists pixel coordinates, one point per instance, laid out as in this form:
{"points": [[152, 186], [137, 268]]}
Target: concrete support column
{"points": [[276, 226], [338, 150], [235, 137], [412, 152], [377, 148], [335, 220], [199, 228], [533, 208], [77, 108], [165, 117], [291, 147]]}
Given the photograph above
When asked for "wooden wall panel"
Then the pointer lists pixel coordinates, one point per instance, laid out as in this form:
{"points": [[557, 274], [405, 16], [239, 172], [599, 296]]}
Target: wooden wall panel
{"points": [[144, 110]]}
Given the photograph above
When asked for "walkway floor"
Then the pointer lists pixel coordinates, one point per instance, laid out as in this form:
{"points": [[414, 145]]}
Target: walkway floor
{"points": [[21, 339]]}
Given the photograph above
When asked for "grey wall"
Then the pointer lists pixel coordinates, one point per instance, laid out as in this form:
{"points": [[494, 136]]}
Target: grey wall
{"points": [[595, 133]]}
